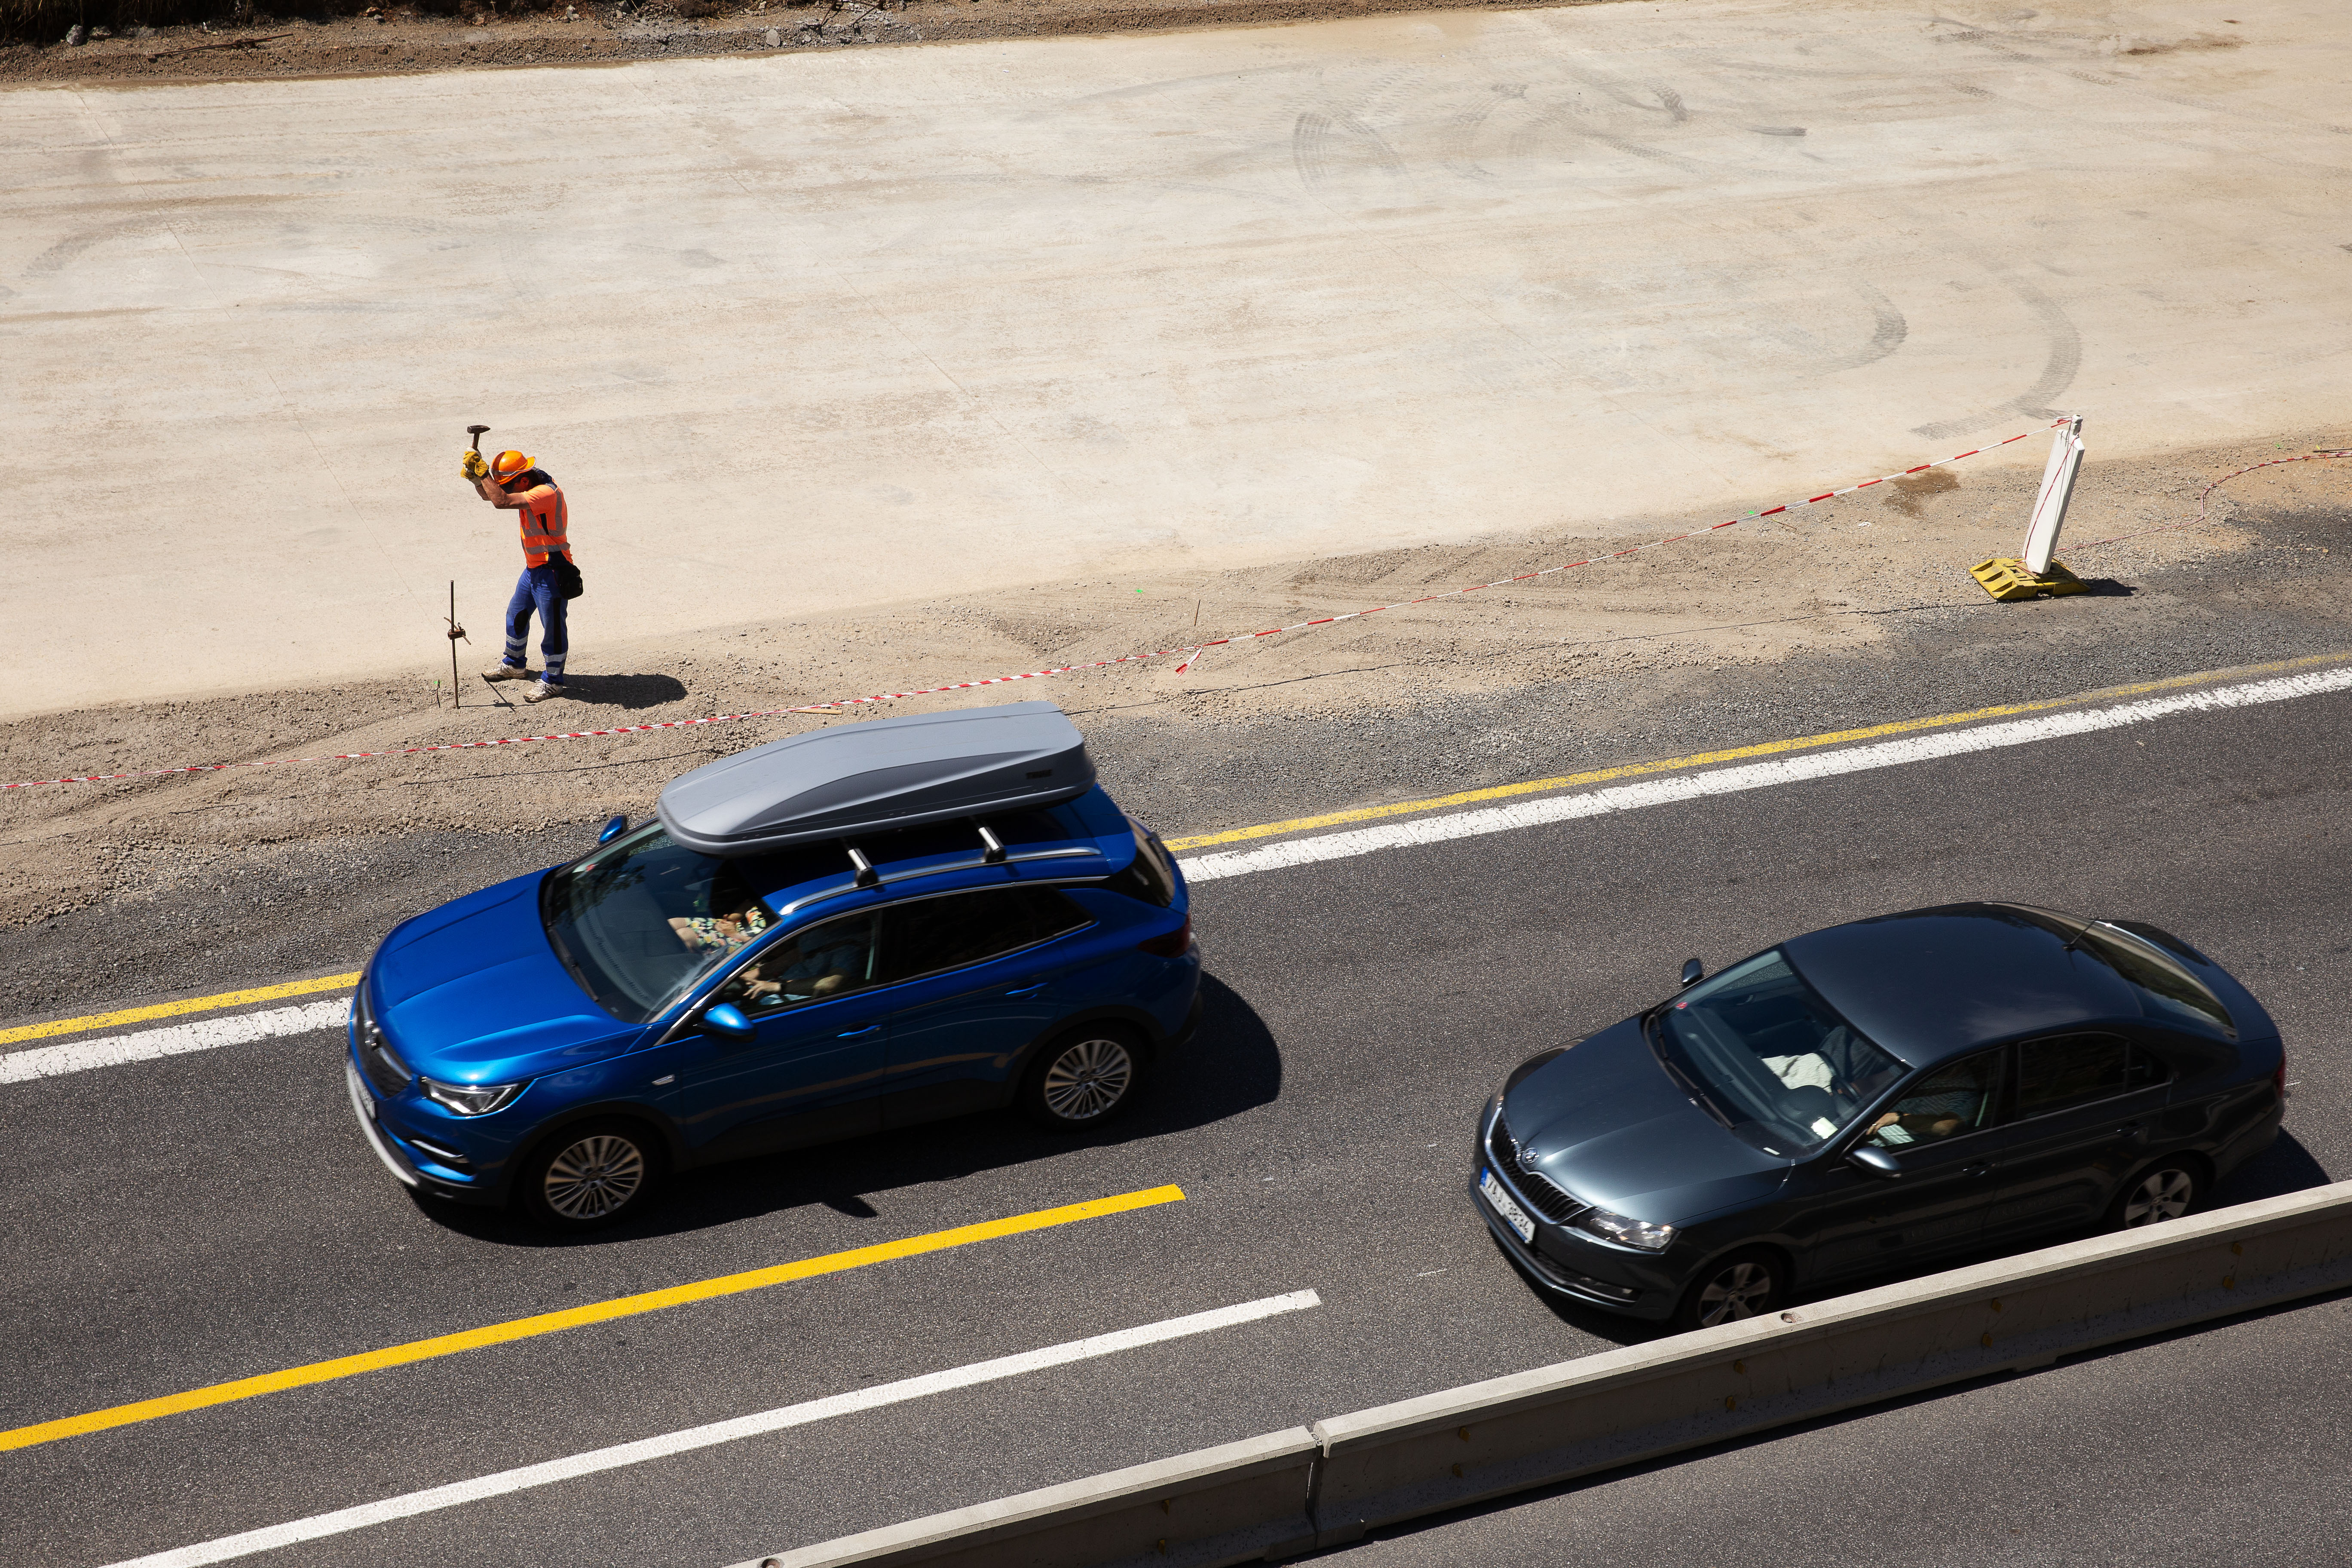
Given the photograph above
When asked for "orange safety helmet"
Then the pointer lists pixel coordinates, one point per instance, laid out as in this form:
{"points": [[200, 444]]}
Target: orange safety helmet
{"points": [[509, 466]]}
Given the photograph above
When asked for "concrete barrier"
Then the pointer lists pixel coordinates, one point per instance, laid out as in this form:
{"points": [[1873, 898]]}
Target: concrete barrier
{"points": [[1285, 1492], [1237, 1503], [1466, 1445]]}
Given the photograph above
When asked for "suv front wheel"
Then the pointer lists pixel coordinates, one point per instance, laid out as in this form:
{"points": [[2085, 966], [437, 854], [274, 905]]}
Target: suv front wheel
{"points": [[592, 1175], [1084, 1078]]}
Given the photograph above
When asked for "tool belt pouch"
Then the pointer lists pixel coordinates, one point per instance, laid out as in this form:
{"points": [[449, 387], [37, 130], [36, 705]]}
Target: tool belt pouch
{"points": [[567, 576]]}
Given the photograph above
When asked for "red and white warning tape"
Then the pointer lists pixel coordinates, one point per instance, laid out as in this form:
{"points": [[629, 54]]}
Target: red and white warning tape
{"points": [[1192, 652], [2319, 454]]}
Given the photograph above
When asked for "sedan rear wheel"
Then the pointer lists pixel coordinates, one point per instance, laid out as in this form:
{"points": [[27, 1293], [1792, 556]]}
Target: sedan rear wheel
{"points": [[1744, 1285], [590, 1177], [2165, 1193]]}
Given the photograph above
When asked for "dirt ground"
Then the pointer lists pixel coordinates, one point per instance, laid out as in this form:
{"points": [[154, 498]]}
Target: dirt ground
{"points": [[1717, 610], [406, 38]]}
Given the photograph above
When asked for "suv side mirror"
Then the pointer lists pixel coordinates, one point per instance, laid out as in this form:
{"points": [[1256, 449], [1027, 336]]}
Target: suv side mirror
{"points": [[727, 1022], [1872, 1158], [612, 830], [1692, 973]]}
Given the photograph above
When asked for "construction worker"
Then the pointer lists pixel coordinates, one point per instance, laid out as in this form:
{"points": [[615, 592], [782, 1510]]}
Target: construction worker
{"points": [[512, 483]]}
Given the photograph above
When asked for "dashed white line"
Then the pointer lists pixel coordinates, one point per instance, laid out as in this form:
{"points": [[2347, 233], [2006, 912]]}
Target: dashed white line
{"points": [[588, 1464]]}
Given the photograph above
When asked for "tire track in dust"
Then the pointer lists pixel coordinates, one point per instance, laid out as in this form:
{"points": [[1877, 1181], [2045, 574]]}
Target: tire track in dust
{"points": [[2057, 372], [1317, 136]]}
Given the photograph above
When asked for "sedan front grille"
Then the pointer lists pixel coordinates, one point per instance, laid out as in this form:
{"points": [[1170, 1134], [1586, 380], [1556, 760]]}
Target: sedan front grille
{"points": [[1543, 1194]]}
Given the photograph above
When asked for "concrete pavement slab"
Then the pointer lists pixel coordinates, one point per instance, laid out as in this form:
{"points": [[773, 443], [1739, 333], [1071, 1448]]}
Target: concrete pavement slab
{"points": [[826, 331]]}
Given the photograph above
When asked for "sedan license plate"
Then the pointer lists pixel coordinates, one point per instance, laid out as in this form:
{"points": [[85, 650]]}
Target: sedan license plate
{"points": [[1513, 1214]]}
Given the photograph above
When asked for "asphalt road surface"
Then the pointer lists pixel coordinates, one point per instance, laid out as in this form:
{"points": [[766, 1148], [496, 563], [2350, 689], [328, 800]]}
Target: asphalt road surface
{"points": [[177, 1223]]}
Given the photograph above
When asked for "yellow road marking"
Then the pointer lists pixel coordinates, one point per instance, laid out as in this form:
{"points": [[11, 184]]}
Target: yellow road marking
{"points": [[1763, 748], [577, 1317], [173, 1009]]}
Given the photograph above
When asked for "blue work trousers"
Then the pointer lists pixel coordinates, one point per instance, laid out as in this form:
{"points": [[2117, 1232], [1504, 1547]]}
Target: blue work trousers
{"points": [[537, 589]]}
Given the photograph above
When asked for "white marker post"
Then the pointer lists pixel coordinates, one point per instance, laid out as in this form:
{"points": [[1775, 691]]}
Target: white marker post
{"points": [[2057, 489], [2036, 575]]}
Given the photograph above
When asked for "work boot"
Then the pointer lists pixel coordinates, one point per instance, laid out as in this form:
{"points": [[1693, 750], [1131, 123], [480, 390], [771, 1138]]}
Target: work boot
{"points": [[505, 671], [540, 691]]}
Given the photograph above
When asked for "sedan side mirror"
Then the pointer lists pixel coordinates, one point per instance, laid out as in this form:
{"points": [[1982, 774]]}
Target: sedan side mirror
{"points": [[1692, 973], [727, 1022], [612, 830], [1876, 1161]]}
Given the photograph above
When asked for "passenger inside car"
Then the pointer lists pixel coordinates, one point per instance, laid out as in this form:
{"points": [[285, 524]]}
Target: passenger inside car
{"points": [[735, 918]]}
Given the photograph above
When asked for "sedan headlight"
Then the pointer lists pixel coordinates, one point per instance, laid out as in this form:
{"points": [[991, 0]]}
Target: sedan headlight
{"points": [[471, 1098], [1624, 1230]]}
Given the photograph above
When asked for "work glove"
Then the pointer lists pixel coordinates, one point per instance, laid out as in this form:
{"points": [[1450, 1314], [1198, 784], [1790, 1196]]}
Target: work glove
{"points": [[473, 466]]}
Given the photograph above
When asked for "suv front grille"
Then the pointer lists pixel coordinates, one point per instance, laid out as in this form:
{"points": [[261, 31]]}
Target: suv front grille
{"points": [[383, 1067], [1543, 1194]]}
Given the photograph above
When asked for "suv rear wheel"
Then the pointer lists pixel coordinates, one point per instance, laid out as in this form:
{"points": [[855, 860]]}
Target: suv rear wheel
{"points": [[590, 1175], [1084, 1078]]}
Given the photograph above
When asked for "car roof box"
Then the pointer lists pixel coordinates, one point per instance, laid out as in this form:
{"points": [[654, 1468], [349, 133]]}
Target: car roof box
{"points": [[880, 774]]}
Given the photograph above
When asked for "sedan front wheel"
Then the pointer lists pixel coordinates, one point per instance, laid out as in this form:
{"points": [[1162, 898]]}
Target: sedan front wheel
{"points": [[1744, 1285]]}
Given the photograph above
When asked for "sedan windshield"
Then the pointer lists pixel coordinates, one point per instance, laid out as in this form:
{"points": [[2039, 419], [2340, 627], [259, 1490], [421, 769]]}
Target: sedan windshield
{"points": [[1770, 1057], [639, 921]]}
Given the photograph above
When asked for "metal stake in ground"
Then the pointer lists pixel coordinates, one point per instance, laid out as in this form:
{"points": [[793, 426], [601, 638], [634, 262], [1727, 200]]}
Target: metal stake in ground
{"points": [[456, 631]]}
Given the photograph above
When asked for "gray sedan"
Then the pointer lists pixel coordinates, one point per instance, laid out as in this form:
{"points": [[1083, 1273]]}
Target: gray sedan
{"points": [[1872, 1097]]}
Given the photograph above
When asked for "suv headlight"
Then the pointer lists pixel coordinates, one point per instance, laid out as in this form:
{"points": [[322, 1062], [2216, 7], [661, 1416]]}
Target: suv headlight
{"points": [[1624, 1230], [472, 1098]]}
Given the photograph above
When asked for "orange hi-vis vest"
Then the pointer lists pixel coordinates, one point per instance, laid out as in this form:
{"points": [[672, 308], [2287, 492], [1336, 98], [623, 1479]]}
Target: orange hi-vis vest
{"points": [[544, 523]]}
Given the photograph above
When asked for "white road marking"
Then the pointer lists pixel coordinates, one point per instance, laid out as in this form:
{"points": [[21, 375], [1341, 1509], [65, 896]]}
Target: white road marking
{"points": [[1680, 787], [693, 1437], [146, 1045]]}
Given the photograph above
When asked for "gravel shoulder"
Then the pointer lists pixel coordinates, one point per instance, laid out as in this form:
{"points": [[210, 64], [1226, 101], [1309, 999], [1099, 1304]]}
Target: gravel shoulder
{"points": [[409, 39], [1840, 615]]}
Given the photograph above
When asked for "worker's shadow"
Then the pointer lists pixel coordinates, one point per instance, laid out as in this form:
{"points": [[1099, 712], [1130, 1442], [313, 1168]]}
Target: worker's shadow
{"points": [[1232, 1065], [626, 692]]}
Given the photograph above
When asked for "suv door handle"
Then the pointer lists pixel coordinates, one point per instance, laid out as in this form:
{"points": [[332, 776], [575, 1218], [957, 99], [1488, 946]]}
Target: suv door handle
{"points": [[1982, 1168], [855, 1033], [2130, 1129], [1028, 990]]}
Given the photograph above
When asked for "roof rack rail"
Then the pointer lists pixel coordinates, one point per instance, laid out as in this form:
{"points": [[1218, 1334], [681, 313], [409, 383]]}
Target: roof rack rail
{"points": [[882, 880]]}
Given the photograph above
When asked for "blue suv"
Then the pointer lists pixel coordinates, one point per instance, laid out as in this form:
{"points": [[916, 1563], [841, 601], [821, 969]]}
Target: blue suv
{"points": [[860, 929]]}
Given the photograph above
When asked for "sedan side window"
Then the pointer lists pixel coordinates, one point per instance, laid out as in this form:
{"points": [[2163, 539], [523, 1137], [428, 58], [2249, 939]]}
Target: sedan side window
{"points": [[2074, 1070], [928, 935], [1949, 1102], [832, 959]]}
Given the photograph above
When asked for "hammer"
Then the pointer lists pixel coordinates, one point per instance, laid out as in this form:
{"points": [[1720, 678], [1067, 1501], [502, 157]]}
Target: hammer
{"points": [[477, 432]]}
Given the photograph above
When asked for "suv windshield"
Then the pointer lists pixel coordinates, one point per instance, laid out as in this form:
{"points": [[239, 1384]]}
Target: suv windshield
{"points": [[641, 920], [2168, 992], [1770, 1056]]}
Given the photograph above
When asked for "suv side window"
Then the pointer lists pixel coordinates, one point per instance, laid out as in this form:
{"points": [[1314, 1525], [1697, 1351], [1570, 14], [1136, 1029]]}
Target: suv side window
{"points": [[2074, 1069], [925, 936], [1953, 1101], [832, 958]]}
